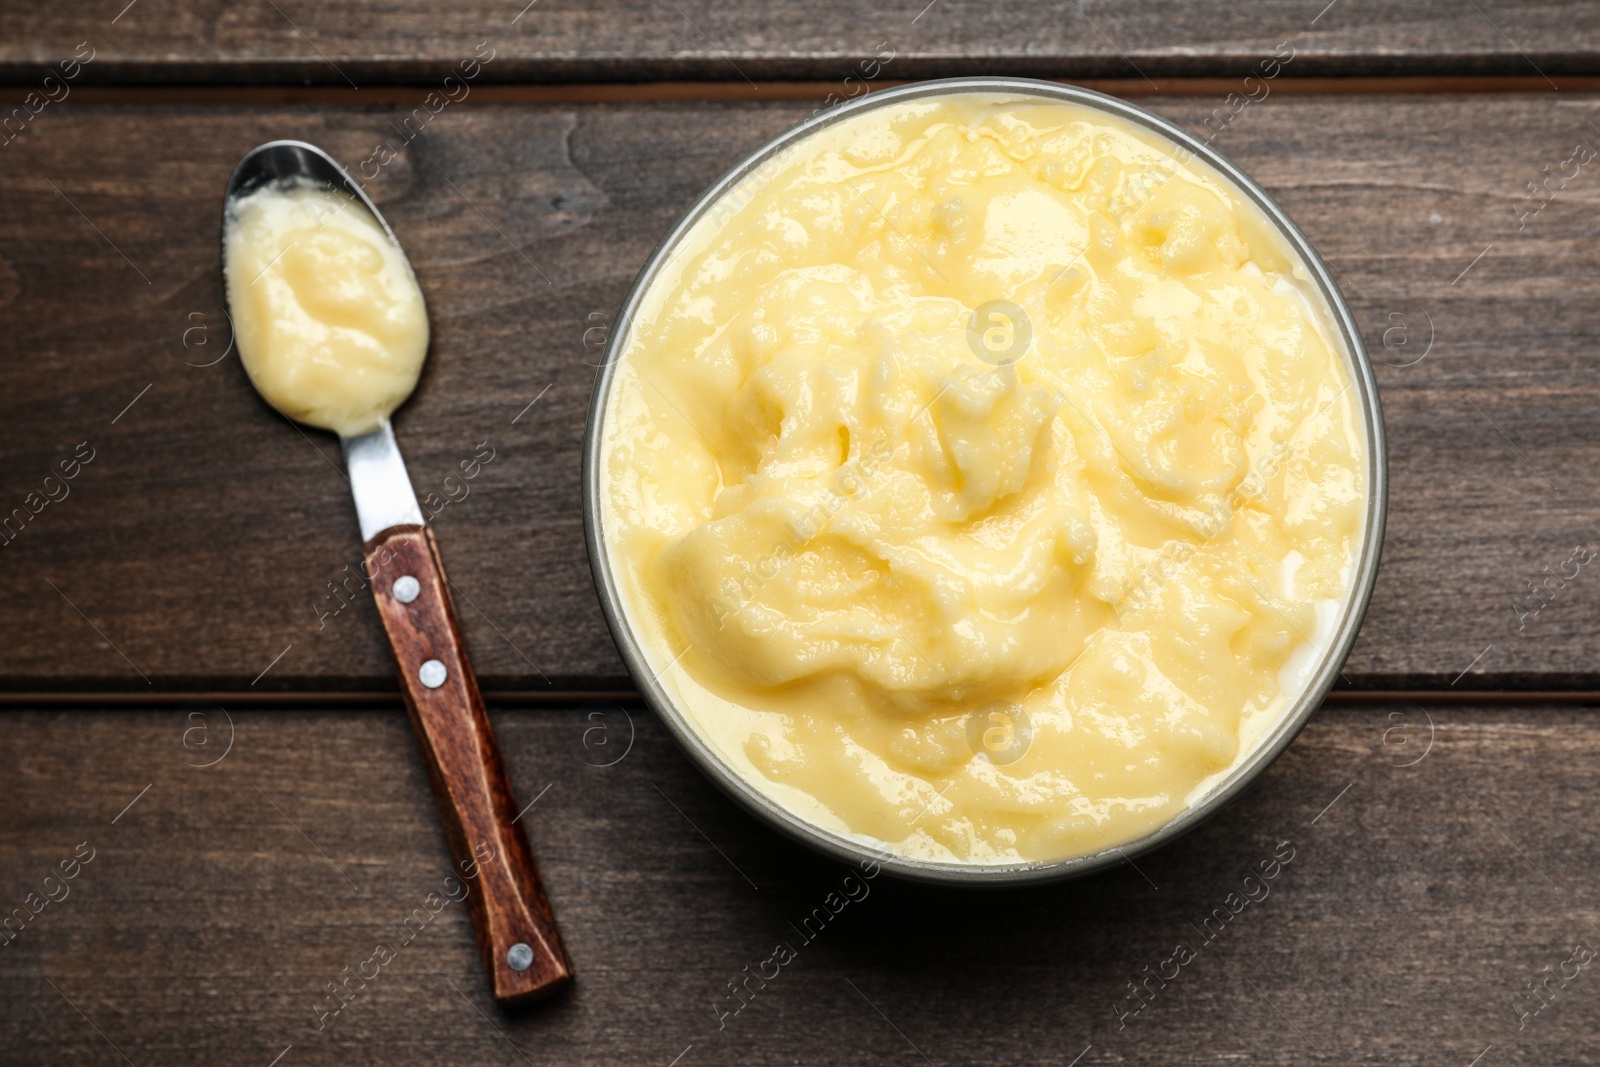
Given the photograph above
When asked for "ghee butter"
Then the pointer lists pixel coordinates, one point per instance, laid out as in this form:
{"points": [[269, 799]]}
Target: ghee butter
{"points": [[983, 481], [329, 319]]}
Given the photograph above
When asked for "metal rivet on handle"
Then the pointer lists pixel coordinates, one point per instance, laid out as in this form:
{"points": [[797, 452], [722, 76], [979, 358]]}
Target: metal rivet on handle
{"points": [[520, 956], [432, 674], [406, 589]]}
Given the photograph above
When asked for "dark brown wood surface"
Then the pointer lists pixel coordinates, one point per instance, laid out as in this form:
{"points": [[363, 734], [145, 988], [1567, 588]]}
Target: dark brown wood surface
{"points": [[221, 878], [416, 42], [481, 818], [210, 545], [1419, 903]]}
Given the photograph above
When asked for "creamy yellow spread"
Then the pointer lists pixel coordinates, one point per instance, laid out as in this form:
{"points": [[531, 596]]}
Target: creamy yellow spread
{"points": [[330, 322], [982, 479]]}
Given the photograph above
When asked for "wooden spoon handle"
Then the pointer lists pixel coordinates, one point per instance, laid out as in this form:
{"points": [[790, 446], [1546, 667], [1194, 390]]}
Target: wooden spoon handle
{"points": [[517, 935]]}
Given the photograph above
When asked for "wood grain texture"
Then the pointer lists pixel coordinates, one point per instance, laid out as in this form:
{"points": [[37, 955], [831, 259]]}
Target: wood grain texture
{"points": [[211, 545], [412, 42], [480, 816], [1419, 903]]}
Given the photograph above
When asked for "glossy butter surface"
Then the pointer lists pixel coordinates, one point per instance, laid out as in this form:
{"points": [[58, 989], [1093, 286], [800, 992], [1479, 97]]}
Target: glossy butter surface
{"points": [[982, 479], [329, 320]]}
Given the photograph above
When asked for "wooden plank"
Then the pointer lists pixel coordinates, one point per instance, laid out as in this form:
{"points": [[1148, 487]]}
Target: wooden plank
{"points": [[415, 42], [196, 549], [1419, 902]]}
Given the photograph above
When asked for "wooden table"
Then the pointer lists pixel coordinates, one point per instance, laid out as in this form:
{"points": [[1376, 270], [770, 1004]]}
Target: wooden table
{"points": [[196, 705]]}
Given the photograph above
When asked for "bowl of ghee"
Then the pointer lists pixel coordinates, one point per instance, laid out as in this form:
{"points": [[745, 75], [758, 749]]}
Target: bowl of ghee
{"points": [[985, 479]]}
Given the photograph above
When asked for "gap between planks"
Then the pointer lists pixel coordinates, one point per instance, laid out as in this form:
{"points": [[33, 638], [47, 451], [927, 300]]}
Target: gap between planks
{"points": [[337, 700], [609, 92]]}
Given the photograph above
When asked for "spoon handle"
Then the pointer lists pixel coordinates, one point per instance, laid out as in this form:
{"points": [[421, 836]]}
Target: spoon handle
{"points": [[517, 935]]}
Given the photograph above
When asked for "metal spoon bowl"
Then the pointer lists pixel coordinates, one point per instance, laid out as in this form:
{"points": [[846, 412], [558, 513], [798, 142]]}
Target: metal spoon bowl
{"points": [[287, 160], [384, 497]]}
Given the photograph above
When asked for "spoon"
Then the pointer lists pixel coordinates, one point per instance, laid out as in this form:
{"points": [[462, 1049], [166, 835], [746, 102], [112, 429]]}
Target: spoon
{"points": [[517, 935]]}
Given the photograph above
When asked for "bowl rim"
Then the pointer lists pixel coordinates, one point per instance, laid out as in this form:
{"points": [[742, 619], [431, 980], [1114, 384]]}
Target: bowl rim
{"points": [[1268, 749]]}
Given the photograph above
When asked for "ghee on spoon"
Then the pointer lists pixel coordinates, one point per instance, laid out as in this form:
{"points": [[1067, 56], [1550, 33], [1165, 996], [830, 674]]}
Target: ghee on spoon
{"points": [[329, 319], [332, 329]]}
